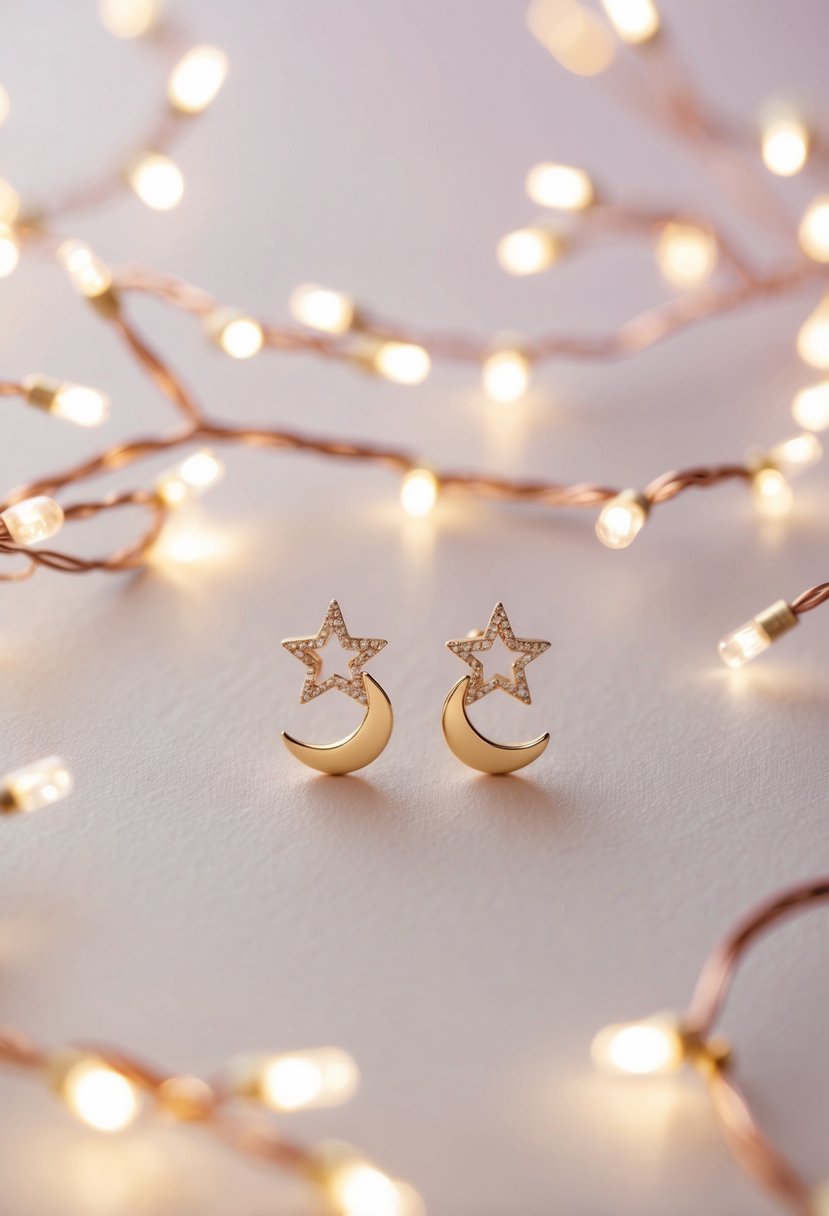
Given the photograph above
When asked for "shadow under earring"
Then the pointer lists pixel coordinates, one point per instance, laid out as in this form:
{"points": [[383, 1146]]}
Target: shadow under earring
{"points": [[467, 743], [364, 744]]}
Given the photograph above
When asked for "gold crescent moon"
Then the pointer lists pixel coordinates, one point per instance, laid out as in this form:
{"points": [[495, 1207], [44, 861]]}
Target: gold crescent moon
{"points": [[470, 746], [360, 747]]}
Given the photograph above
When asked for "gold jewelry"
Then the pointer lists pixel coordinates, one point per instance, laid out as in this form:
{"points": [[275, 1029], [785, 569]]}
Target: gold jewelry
{"points": [[369, 739], [468, 744]]}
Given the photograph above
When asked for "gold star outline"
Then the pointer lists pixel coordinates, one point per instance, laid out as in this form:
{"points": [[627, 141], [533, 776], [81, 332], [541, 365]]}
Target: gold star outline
{"points": [[526, 650], [305, 649]]}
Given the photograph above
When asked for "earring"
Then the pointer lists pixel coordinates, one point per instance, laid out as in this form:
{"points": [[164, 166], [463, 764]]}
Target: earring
{"points": [[365, 743], [468, 744]]}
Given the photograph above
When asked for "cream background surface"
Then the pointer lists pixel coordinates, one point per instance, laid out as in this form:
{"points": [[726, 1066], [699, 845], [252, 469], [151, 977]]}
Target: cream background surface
{"points": [[463, 937]]}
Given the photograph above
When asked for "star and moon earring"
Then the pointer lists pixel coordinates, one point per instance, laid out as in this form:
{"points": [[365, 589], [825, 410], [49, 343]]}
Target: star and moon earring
{"points": [[467, 743]]}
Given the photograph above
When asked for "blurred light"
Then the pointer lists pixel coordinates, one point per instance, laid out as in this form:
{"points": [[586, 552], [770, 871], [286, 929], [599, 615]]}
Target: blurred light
{"points": [[157, 180], [505, 375], [576, 36], [189, 479], [402, 362], [797, 454], [75, 403], [301, 1080], [5, 104], [320, 308], [686, 255], [645, 1048], [99, 1096], [813, 337], [772, 494], [419, 492], [9, 202], [238, 335], [750, 640], [9, 251], [560, 186], [814, 230], [621, 519], [35, 786], [90, 276], [810, 407], [528, 250], [197, 78], [32, 520], [634, 20], [784, 141], [129, 18]]}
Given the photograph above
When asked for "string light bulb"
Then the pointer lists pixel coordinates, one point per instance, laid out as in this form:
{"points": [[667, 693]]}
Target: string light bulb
{"points": [[813, 232], [797, 454], [403, 362], [129, 18], [686, 254], [75, 403], [189, 479], [32, 520], [529, 250], [196, 79], [810, 407], [237, 334], [302, 1080], [635, 21], [9, 251], [651, 1047], [505, 375], [622, 518], [756, 635], [573, 34], [356, 1187], [35, 786], [419, 492], [97, 1094], [813, 337], [89, 275], [331, 312], [562, 187], [784, 140], [773, 496], [157, 180]]}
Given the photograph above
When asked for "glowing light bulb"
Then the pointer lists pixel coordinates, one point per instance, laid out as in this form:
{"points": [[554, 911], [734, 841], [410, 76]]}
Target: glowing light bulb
{"points": [[9, 202], [238, 335], [528, 250], [90, 276], [194, 476], [773, 496], [197, 78], [813, 337], [622, 518], [332, 312], [647, 1048], [5, 104], [358, 1188], [814, 229], [810, 408], [32, 520], [751, 639], [402, 362], [35, 786], [98, 1095], [73, 402], [129, 18], [573, 34], [797, 454], [505, 375], [686, 255], [633, 20], [784, 141], [324, 1076], [9, 251], [157, 180], [560, 186], [419, 492]]}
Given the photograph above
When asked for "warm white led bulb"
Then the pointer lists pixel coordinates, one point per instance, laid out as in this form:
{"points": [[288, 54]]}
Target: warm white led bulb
{"points": [[301, 1080], [237, 334], [9, 251], [633, 20], [528, 250], [813, 337], [90, 276], [35, 786], [756, 635], [773, 496], [129, 18], [358, 1188], [686, 255], [157, 180], [784, 142], [813, 232], [321, 308], [621, 519], [576, 36], [810, 408], [402, 362], [75, 403], [189, 479], [197, 78], [32, 520], [505, 375], [419, 492], [562, 187], [647, 1048], [797, 454], [99, 1096]]}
